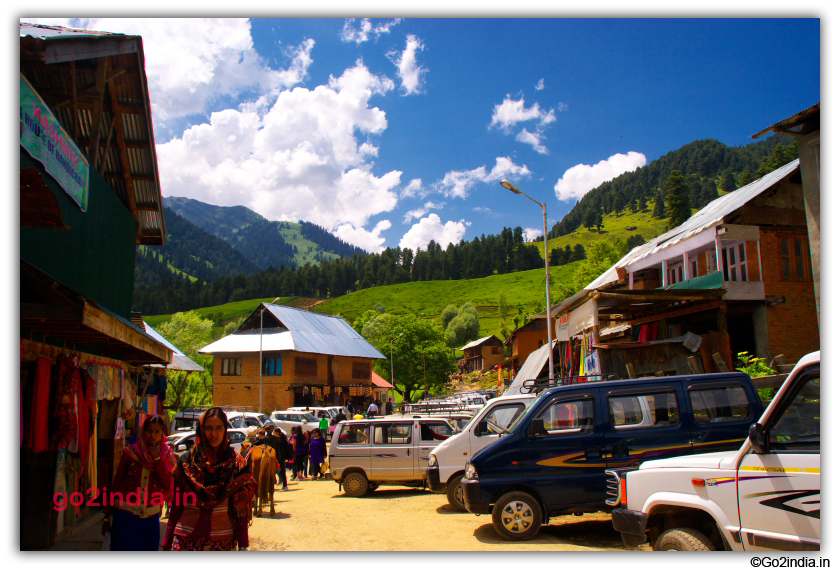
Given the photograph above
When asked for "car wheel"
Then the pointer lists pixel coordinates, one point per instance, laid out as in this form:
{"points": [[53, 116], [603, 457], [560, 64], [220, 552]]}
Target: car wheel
{"points": [[455, 494], [355, 484], [517, 516], [683, 539]]}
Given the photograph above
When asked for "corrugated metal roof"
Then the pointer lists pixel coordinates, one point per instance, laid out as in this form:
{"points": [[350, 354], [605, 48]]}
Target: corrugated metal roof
{"points": [[794, 123], [380, 382], [530, 369], [475, 342], [180, 361], [136, 183], [305, 332], [708, 217]]}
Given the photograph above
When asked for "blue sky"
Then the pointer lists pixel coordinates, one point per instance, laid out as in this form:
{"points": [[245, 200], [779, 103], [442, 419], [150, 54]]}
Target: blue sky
{"points": [[393, 132]]}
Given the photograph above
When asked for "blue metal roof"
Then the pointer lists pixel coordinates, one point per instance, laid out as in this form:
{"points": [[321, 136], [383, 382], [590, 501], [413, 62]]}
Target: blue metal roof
{"points": [[322, 334]]}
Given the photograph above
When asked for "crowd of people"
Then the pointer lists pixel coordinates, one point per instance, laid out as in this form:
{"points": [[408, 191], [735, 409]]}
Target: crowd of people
{"points": [[217, 478]]}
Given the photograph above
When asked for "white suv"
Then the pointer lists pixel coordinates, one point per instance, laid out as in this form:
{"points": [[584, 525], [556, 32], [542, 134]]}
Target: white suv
{"points": [[288, 419]]}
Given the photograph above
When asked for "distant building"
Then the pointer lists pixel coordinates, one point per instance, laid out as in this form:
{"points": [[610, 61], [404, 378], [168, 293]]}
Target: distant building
{"points": [[482, 354], [308, 359]]}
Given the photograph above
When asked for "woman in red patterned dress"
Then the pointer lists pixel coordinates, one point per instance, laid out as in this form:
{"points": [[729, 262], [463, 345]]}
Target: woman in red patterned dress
{"points": [[213, 488]]}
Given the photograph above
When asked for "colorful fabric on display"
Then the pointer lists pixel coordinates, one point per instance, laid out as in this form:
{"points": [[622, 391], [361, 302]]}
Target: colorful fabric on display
{"points": [[64, 408], [40, 416], [61, 481], [202, 543]]}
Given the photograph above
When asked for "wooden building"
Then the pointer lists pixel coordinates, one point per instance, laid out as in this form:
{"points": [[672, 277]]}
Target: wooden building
{"points": [[89, 194], [308, 359], [482, 354]]}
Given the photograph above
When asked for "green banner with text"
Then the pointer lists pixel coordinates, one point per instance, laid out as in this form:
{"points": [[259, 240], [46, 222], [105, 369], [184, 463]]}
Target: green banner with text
{"points": [[43, 137]]}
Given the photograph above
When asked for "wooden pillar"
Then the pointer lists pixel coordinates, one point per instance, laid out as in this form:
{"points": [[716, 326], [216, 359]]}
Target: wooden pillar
{"points": [[685, 266], [631, 280]]}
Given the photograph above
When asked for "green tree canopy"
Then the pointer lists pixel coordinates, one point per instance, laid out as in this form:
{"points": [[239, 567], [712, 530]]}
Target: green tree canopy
{"points": [[421, 357], [602, 255], [678, 201], [464, 327], [447, 315], [189, 333]]}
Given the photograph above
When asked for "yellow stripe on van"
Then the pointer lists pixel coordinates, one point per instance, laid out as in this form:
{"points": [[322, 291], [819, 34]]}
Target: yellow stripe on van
{"points": [[813, 470]]}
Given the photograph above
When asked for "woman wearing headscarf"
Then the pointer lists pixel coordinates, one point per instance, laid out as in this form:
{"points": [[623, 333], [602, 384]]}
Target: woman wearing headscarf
{"points": [[143, 481], [221, 482], [301, 444], [317, 453]]}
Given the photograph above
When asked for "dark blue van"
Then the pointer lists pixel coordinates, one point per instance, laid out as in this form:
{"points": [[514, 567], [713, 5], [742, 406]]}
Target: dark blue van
{"points": [[553, 460]]}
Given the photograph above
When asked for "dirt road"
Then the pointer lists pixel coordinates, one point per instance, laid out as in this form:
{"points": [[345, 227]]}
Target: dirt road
{"points": [[397, 518]]}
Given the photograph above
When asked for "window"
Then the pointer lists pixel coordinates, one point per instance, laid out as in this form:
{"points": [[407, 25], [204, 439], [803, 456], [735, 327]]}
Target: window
{"points": [[720, 405], [648, 410], [502, 417], [569, 417], [306, 366], [252, 422], [735, 262], [361, 371], [392, 434], [436, 432], [798, 428], [236, 436], [676, 274], [237, 422], [231, 367], [353, 434], [272, 365], [793, 258]]}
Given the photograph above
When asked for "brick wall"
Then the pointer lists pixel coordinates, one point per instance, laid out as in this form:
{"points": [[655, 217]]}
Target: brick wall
{"points": [[244, 390], [792, 325]]}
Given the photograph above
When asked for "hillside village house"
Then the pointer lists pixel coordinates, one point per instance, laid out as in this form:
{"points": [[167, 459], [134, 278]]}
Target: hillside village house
{"points": [[523, 342], [734, 277], [482, 354], [308, 359]]}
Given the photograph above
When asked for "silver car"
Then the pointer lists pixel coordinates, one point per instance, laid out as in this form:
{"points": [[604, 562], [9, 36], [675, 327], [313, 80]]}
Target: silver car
{"points": [[366, 453], [287, 420]]}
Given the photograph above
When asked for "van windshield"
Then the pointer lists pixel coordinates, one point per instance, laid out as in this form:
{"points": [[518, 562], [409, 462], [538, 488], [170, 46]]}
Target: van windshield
{"points": [[518, 420]]}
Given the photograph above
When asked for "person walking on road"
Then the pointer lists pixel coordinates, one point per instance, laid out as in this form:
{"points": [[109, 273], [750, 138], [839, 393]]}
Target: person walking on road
{"points": [[301, 445], [216, 488], [373, 409], [389, 407], [277, 441], [145, 470], [324, 426], [317, 453]]}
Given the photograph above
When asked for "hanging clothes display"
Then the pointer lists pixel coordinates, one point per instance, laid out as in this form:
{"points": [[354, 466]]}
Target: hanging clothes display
{"points": [[64, 406], [40, 415]]}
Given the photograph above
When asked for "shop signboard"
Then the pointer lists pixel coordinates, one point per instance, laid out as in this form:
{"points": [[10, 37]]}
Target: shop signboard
{"points": [[561, 327], [46, 141]]}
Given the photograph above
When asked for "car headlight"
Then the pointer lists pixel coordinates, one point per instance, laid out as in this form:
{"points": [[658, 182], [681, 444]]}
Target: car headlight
{"points": [[432, 460], [470, 472]]}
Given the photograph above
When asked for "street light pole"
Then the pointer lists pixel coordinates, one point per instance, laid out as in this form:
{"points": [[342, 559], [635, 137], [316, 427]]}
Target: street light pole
{"points": [[515, 190], [262, 310]]}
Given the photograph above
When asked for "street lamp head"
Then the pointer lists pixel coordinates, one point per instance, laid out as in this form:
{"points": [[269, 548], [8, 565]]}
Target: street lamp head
{"points": [[506, 183]]}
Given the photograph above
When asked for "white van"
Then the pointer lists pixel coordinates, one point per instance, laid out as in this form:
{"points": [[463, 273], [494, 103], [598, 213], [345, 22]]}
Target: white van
{"points": [[394, 450], [447, 460]]}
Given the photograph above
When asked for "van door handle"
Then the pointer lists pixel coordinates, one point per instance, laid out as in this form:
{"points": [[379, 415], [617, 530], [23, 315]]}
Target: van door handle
{"points": [[408, 452], [593, 452]]}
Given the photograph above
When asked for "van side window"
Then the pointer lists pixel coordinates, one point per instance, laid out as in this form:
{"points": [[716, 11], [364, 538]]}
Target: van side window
{"points": [[353, 434], [236, 436], [435, 432], [392, 434], [237, 422], [576, 416], [644, 410], [798, 428], [720, 405]]}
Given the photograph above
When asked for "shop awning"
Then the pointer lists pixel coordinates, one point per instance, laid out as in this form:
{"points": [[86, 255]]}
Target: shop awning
{"points": [[380, 382], [534, 364], [50, 308], [180, 361]]}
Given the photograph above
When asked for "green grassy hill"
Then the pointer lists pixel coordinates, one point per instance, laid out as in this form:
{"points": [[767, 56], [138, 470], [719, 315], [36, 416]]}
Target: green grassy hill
{"points": [[429, 298], [306, 249]]}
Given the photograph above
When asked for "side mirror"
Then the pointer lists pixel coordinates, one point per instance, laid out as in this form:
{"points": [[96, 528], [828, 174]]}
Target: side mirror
{"points": [[758, 439], [181, 447], [537, 429], [482, 428]]}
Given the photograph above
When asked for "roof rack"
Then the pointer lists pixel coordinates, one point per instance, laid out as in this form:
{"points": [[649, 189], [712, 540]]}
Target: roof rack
{"points": [[537, 385]]}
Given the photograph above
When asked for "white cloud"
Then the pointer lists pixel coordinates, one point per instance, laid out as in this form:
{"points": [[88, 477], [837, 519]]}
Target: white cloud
{"points": [[414, 188], [409, 71], [420, 212], [370, 241], [531, 234], [562, 107], [483, 209], [532, 139], [192, 62], [431, 228], [540, 85], [457, 183], [580, 179], [365, 30], [509, 112], [434, 205], [298, 158]]}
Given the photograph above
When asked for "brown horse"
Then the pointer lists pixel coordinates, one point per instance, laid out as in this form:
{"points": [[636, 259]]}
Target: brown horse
{"points": [[264, 469]]}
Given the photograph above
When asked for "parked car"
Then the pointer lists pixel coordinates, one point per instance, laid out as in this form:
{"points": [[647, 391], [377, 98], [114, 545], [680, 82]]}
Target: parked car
{"points": [[319, 413], [188, 419], [340, 409], [247, 419], [366, 453], [287, 420], [552, 460], [764, 496], [183, 441], [447, 460]]}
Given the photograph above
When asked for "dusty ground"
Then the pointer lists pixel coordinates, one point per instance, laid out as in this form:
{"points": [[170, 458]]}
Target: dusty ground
{"points": [[398, 518]]}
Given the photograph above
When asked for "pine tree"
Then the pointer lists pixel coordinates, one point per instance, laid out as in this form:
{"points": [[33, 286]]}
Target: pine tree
{"points": [[658, 205], [678, 204]]}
